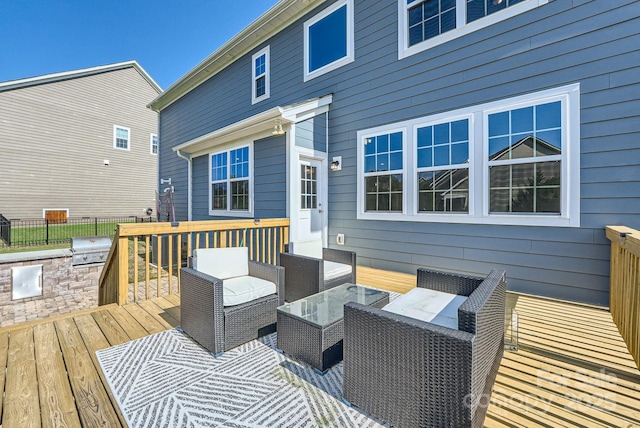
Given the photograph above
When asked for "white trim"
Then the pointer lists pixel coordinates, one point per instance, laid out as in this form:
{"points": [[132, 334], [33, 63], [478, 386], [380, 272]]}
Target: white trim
{"points": [[569, 215], [462, 28], [115, 145], [151, 144], [258, 124], [267, 75], [350, 55], [228, 212]]}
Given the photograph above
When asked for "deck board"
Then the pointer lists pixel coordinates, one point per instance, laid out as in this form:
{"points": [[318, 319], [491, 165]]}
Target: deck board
{"points": [[21, 402], [570, 357], [94, 404], [57, 406]]}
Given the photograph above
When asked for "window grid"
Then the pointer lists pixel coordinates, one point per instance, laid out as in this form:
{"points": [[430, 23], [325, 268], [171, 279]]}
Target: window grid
{"points": [[154, 144], [423, 24], [121, 137], [384, 172], [525, 150], [230, 187], [443, 167], [430, 18], [531, 177], [260, 76], [308, 187]]}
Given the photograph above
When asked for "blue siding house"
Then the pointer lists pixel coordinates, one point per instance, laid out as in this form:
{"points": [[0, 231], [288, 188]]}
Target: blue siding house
{"points": [[461, 135]]}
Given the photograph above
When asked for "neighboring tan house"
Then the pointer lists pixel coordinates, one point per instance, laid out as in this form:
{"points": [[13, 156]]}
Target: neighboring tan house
{"points": [[460, 135], [79, 143]]}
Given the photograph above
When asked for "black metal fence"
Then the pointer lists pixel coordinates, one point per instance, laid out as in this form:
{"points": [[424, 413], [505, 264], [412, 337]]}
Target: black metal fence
{"points": [[37, 232]]}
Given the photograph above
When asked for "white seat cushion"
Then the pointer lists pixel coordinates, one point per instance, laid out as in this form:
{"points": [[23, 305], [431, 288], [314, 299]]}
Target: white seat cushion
{"points": [[243, 289], [222, 263], [333, 270], [308, 248], [428, 305]]}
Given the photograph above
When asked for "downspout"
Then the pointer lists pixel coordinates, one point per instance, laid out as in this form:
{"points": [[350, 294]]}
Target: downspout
{"points": [[188, 159]]}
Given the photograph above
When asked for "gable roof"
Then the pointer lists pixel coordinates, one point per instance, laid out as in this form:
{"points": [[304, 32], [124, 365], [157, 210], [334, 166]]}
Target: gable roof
{"points": [[66, 75], [265, 26]]}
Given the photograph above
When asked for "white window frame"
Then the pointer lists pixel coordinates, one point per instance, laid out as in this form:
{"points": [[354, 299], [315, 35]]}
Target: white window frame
{"points": [[115, 137], [348, 58], [569, 216], [374, 132], [462, 28], [152, 145], [228, 212], [267, 75]]}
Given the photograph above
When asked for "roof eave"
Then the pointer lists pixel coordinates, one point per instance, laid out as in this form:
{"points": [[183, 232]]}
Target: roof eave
{"points": [[268, 24], [74, 74]]}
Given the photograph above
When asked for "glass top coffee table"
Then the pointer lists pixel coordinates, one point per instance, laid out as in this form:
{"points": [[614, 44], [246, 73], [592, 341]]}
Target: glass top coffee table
{"points": [[311, 329]]}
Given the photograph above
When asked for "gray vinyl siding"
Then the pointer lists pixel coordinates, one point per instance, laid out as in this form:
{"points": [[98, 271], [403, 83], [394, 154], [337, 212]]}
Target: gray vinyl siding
{"points": [[269, 181], [269, 178], [312, 133], [55, 138], [594, 43]]}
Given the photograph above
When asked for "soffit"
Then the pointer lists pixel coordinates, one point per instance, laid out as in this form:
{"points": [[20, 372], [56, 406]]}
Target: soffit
{"points": [[281, 15], [261, 123]]}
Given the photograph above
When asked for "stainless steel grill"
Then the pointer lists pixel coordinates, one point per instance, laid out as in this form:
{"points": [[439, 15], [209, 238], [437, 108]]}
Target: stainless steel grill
{"points": [[90, 249]]}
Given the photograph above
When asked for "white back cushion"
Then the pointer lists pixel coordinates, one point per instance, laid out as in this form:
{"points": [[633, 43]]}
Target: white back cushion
{"points": [[308, 248], [428, 305], [222, 263]]}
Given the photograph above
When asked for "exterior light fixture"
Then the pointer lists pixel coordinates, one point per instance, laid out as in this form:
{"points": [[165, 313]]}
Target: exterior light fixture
{"points": [[277, 128], [336, 163]]}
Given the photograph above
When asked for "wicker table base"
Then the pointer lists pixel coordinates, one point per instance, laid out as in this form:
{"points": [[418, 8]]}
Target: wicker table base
{"points": [[311, 329]]}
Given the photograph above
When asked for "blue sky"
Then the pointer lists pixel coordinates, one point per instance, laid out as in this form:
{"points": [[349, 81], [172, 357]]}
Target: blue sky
{"points": [[166, 37]]}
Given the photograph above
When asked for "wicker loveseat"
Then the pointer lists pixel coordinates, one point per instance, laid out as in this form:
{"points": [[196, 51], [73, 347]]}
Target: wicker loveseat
{"points": [[310, 268], [222, 304], [413, 373]]}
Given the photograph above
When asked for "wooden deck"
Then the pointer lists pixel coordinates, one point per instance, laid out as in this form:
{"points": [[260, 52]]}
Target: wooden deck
{"points": [[571, 369]]}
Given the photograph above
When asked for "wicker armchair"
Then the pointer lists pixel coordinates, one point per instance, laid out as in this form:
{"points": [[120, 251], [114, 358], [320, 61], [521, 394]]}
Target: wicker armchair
{"points": [[309, 269], [412, 373], [218, 326]]}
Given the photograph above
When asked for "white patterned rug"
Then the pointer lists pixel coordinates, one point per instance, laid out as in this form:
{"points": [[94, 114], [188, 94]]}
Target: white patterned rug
{"points": [[167, 380]]}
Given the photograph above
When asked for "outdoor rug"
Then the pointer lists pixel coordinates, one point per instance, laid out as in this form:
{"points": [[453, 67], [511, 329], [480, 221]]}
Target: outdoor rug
{"points": [[167, 380]]}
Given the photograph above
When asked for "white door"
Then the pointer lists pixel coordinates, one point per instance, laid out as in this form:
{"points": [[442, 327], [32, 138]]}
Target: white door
{"points": [[310, 210]]}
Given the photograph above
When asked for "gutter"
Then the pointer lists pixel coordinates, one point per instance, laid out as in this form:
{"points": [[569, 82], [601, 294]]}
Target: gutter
{"points": [[189, 182]]}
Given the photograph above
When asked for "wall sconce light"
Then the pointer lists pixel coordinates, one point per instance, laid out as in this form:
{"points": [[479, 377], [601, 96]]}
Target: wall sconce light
{"points": [[277, 128], [336, 163]]}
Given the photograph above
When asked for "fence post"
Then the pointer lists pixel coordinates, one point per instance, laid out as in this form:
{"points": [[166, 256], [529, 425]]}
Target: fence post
{"points": [[46, 222], [96, 223]]}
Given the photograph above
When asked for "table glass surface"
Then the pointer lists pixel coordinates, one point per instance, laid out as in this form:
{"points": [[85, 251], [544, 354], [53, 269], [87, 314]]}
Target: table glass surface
{"points": [[327, 307]]}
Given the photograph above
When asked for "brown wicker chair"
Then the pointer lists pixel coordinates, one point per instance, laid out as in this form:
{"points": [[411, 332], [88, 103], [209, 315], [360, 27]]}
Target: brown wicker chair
{"points": [[412, 373], [217, 327], [305, 274]]}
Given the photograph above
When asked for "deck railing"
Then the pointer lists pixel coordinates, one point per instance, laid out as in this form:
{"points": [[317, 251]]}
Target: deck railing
{"points": [[145, 258], [624, 289]]}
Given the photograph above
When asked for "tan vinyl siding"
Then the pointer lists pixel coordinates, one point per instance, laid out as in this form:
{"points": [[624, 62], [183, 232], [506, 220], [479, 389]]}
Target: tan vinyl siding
{"points": [[55, 138]]}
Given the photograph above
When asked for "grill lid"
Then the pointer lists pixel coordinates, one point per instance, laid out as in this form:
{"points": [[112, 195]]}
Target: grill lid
{"points": [[90, 243]]}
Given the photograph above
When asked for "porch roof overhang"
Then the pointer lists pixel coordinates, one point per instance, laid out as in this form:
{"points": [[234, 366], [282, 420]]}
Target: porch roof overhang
{"points": [[257, 124]]}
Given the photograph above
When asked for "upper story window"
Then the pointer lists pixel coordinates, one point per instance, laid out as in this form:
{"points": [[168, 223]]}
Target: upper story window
{"points": [[231, 187], [328, 40], [515, 161], [261, 76], [154, 144], [423, 24], [121, 137]]}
